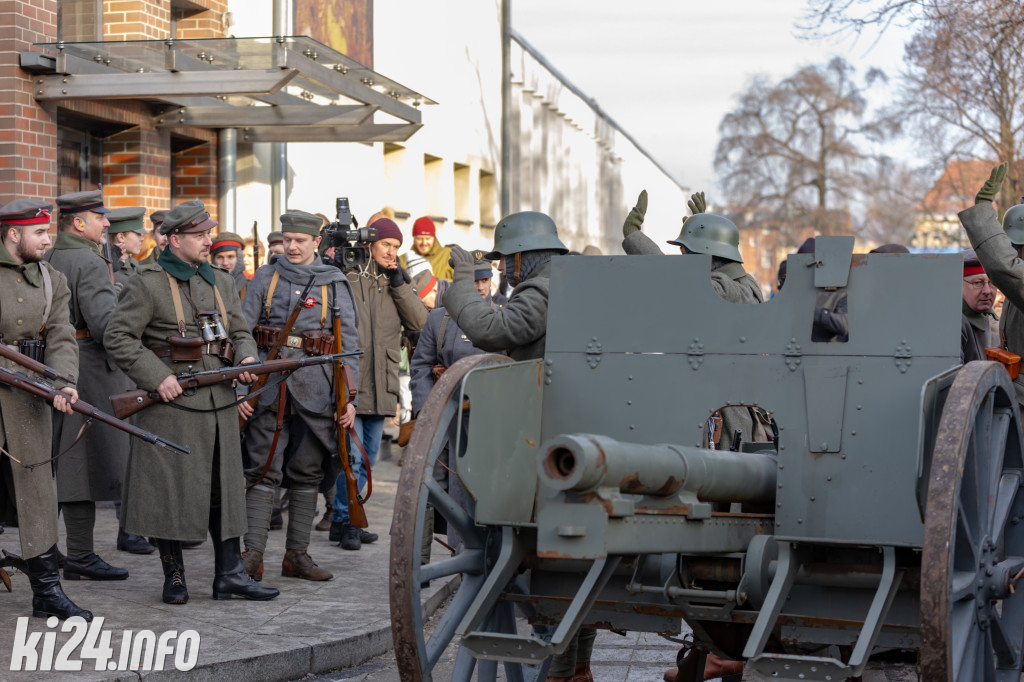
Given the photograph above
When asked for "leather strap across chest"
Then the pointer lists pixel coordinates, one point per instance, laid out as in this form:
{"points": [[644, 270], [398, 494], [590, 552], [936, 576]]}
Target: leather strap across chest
{"points": [[270, 297], [179, 311]]}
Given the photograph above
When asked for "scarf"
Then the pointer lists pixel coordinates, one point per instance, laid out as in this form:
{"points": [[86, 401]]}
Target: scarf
{"points": [[183, 271], [299, 274]]}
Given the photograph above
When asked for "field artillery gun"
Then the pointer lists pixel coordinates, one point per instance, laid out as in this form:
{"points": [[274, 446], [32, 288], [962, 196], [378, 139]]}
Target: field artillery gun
{"points": [[885, 514]]}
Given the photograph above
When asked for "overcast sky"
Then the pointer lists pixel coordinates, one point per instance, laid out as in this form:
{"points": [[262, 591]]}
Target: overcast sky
{"points": [[667, 71]]}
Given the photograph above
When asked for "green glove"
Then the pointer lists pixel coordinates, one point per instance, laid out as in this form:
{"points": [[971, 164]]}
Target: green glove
{"points": [[990, 189], [635, 219], [697, 203], [462, 263]]}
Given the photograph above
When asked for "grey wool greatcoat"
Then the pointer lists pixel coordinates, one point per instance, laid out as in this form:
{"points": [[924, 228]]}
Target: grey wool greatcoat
{"points": [[26, 421], [455, 346], [1006, 271], [519, 327], [733, 284], [92, 469], [383, 310], [312, 388], [122, 272], [167, 494]]}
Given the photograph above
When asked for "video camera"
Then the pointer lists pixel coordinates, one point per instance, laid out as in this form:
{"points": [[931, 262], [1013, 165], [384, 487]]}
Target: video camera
{"points": [[351, 248]]}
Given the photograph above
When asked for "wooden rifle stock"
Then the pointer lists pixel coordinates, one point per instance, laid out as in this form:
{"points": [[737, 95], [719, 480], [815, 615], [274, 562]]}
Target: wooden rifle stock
{"points": [[34, 365], [128, 403], [344, 393], [20, 381]]}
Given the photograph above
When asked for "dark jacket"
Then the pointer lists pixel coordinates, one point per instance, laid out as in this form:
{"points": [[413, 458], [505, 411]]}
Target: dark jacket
{"points": [[455, 346]]}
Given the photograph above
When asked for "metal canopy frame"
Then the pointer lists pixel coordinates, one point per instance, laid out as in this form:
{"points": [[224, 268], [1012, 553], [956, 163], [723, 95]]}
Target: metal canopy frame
{"points": [[274, 89]]}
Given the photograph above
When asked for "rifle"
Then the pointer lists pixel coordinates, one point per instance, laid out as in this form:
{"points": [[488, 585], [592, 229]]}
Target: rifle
{"points": [[128, 403], [34, 365], [343, 389], [109, 252], [276, 349], [42, 390], [255, 248]]}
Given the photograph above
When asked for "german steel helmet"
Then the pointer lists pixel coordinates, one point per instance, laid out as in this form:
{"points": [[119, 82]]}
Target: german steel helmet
{"points": [[526, 231], [712, 234], [1013, 223]]}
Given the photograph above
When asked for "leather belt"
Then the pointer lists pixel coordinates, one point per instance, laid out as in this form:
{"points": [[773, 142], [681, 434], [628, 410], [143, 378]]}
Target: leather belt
{"points": [[83, 333], [211, 348]]}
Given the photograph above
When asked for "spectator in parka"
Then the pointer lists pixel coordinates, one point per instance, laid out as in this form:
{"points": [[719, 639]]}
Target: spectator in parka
{"points": [[385, 301]]}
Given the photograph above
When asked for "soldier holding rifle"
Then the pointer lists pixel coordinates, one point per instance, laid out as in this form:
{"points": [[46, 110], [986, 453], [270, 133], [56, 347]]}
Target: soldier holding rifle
{"points": [[297, 416], [35, 299], [182, 314]]}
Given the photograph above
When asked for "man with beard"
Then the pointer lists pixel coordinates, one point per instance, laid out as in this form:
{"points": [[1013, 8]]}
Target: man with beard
{"points": [[226, 253], [35, 299], [92, 467], [297, 417], [168, 496], [427, 252], [159, 239]]}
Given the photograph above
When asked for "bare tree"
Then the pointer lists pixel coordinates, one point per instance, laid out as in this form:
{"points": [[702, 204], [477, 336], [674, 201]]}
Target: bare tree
{"points": [[824, 18], [790, 151], [963, 87], [891, 195]]}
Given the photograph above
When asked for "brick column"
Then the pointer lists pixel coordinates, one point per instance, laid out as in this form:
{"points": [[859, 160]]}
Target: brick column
{"points": [[28, 133], [196, 176], [137, 168], [136, 19], [208, 23]]}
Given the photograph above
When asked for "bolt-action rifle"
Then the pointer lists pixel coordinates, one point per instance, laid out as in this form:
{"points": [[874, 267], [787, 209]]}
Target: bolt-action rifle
{"points": [[128, 403], [344, 393], [43, 390]]}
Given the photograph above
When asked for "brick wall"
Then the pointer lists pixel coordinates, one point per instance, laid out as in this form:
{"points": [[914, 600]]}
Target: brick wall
{"points": [[137, 169], [136, 19], [196, 176], [28, 133], [206, 24]]}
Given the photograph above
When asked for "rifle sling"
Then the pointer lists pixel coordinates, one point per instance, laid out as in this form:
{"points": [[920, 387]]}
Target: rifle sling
{"points": [[249, 396], [282, 401], [366, 462]]}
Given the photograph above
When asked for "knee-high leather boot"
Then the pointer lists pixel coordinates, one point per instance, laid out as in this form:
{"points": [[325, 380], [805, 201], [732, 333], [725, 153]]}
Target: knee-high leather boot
{"points": [[48, 598], [229, 576], [173, 563]]}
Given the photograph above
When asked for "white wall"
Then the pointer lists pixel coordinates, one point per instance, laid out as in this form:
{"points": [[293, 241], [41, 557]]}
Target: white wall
{"points": [[569, 161]]}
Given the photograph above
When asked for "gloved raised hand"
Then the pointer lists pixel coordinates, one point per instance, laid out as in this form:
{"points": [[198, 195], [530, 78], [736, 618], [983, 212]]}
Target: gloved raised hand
{"points": [[990, 189], [697, 203], [462, 263], [635, 219], [398, 276]]}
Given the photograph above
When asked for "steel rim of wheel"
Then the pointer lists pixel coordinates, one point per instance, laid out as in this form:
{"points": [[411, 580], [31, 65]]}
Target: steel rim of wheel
{"points": [[416, 655], [972, 616]]}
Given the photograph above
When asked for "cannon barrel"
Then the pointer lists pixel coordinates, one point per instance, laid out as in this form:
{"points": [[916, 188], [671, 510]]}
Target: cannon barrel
{"points": [[585, 462]]}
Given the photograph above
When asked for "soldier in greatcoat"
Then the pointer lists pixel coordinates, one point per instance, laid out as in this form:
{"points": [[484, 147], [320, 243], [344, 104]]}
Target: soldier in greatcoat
{"points": [[92, 468], [35, 301], [159, 239], [126, 234], [304, 404], [226, 253], [170, 496], [524, 244]]}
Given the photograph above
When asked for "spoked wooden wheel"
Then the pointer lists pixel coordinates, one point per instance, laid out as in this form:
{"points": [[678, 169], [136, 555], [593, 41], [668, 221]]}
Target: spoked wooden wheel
{"points": [[417, 655], [972, 608]]}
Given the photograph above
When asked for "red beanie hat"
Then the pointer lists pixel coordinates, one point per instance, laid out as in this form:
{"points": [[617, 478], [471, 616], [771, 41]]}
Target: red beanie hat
{"points": [[386, 229], [424, 226]]}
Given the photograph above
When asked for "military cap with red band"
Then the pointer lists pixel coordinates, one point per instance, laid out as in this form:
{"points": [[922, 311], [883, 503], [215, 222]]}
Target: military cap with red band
{"points": [[26, 212], [226, 240], [972, 266], [79, 202]]}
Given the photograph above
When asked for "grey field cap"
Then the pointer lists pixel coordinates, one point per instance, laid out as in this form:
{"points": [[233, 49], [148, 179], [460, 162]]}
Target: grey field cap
{"points": [[157, 218], [127, 220], [302, 222], [78, 202], [188, 216]]}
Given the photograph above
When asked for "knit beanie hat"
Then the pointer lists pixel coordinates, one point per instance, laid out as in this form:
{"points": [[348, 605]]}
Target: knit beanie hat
{"points": [[386, 229], [424, 226]]}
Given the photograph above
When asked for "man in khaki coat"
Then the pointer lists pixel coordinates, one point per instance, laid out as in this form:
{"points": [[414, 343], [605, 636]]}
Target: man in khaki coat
{"points": [[34, 298], [170, 496]]}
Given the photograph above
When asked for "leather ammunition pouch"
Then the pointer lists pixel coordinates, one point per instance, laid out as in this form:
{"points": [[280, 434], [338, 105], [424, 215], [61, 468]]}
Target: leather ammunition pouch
{"points": [[405, 433], [33, 348], [312, 342], [182, 349], [1011, 361]]}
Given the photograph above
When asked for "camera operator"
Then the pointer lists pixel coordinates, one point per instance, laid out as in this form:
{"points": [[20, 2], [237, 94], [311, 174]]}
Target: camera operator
{"points": [[385, 300]]}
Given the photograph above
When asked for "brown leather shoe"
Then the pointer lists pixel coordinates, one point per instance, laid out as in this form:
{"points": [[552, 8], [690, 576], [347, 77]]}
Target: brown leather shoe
{"points": [[324, 524], [582, 673], [298, 564], [720, 667], [252, 564]]}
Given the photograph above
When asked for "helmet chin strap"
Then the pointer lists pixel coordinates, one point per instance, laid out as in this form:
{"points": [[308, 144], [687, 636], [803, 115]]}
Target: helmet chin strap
{"points": [[518, 267]]}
